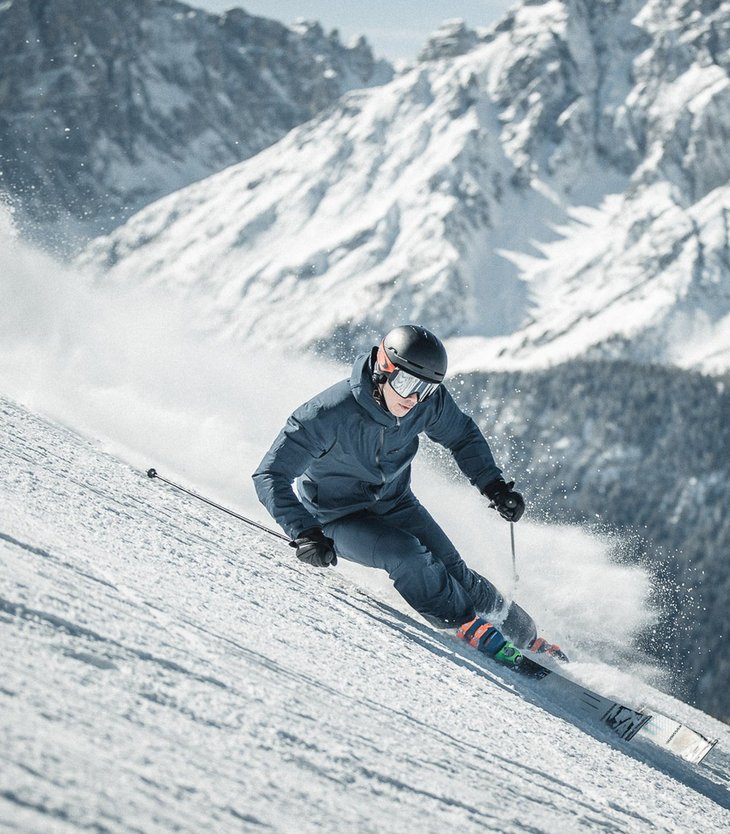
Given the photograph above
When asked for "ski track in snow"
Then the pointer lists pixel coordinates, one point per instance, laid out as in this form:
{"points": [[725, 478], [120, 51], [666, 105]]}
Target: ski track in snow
{"points": [[165, 668]]}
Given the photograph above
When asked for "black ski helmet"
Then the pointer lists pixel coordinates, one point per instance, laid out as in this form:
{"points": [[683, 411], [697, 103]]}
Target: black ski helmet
{"points": [[414, 349]]}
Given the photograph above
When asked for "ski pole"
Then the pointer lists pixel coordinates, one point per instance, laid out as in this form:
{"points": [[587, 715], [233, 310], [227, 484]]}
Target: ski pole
{"points": [[152, 473], [515, 575], [511, 504]]}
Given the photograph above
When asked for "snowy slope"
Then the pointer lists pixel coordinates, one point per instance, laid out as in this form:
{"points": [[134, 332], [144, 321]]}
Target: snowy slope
{"points": [[166, 668], [560, 190]]}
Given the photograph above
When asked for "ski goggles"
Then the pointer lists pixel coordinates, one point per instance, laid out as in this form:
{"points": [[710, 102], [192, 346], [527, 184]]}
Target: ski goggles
{"points": [[405, 384]]}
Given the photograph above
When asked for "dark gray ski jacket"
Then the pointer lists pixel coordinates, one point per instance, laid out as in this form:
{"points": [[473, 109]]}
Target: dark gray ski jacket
{"points": [[347, 453]]}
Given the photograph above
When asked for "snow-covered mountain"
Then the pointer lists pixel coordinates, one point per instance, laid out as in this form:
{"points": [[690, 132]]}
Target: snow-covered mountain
{"points": [[105, 107], [166, 668], [558, 190], [610, 443]]}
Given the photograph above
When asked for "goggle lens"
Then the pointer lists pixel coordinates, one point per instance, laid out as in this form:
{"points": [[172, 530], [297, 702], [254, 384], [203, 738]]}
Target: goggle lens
{"points": [[405, 384]]}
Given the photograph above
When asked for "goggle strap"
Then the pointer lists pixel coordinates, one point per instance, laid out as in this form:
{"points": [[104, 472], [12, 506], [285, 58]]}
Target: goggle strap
{"points": [[384, 364]]}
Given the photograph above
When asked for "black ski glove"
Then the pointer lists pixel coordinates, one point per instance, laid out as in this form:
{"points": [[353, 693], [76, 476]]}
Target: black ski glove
{"points": [[508, 503], [314, 548]]}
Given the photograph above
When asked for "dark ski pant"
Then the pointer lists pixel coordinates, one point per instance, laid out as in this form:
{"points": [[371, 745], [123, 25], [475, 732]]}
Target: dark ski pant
{"points": [[425, 567]]}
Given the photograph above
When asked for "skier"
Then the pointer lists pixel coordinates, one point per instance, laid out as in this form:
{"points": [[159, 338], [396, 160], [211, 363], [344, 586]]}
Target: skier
{"points": [[350, 448]]}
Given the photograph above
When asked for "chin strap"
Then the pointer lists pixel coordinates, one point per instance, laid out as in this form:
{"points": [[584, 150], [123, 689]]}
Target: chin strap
{"points": [[378, 392], [379, 378]]}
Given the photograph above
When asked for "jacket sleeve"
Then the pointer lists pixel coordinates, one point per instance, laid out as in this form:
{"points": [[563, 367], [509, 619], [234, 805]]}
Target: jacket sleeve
{"points": [[297, 445], [457, 432]]}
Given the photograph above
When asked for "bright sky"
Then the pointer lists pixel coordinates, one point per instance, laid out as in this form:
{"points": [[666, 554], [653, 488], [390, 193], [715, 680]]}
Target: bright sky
{"points": [[394, 29]]}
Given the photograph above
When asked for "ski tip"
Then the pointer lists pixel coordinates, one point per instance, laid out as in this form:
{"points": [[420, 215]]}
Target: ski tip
{"points": [[151, 473]]}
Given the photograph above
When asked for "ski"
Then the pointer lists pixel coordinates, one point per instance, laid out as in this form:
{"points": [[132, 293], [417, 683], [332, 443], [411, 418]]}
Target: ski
{"points": [[625, 721], [678, 738]]}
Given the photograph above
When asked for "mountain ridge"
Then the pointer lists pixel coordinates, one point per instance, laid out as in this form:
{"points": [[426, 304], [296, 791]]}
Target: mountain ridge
{"points": [[107, 107], [543, 193]]}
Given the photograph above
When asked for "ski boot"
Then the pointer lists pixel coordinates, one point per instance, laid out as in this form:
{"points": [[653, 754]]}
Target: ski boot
{"points": [[484, 637], [541, 646]]}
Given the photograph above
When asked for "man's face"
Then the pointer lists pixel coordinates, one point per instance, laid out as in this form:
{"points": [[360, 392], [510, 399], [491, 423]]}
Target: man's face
{"points": [[397, 405]]}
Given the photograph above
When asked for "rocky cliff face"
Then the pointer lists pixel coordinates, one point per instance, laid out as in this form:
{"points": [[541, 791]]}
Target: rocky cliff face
{"points": [[105, 107]]}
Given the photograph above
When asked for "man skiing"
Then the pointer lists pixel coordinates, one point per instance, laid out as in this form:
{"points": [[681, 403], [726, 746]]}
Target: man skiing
{"points": [[350, 448]]}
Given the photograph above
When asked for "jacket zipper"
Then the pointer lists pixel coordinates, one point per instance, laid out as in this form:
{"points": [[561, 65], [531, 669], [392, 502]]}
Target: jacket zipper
{"points": [[378, 456]]}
